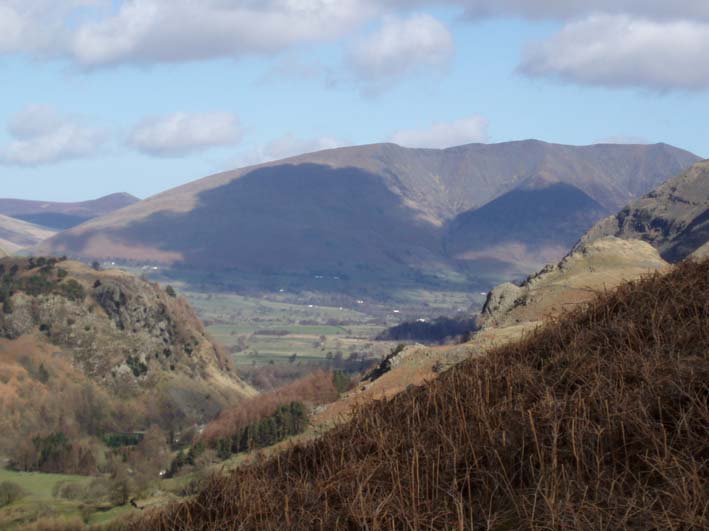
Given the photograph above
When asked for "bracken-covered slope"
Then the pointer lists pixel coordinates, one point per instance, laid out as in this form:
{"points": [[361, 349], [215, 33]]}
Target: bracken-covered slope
{"points": [[60, 216], [674, 218], [102, 351], [376, 208], [597, 421]]}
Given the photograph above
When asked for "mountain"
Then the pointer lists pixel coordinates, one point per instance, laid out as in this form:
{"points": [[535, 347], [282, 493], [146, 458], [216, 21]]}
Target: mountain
{"points": [[674, 217], [530, 224], [16, 234], [90, 352], [60, 216], [381, 210]]}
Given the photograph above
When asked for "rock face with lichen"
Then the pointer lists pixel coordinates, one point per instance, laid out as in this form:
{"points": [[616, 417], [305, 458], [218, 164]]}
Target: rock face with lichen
{"points": [[125, 334]]}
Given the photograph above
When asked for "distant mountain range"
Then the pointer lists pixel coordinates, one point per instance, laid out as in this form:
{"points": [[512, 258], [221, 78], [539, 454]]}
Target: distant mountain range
{"points": [[674, 217], [60, 216], [25, 223], [16, 234], [503, 208]]}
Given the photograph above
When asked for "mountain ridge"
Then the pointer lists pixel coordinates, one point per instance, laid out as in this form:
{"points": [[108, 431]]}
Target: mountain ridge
{"points": [[16, 234], [353, 209], [62, 215]]}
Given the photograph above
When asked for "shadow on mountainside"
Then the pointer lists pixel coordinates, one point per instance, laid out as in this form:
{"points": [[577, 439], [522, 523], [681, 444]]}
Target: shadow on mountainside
{"points": [[305, 217]]}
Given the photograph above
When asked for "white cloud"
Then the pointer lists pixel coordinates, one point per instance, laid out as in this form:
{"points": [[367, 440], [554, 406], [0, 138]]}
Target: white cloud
{"points": [[151, 31], [620, 51], [401, 47], [41, 135], [39, 27], [445, 134], [102, 32], [180, 134], [568, 9], [286, 146]]}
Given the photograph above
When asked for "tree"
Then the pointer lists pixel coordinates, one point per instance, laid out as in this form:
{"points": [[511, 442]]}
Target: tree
{"points": [[9, 492], [96, 265], [340, 381], [170, 291]]}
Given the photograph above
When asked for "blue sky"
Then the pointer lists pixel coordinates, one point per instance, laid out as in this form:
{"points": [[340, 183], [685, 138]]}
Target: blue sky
{"points": [[143, 95]]}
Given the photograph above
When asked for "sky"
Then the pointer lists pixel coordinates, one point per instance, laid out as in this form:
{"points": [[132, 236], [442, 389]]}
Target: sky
{"points": [[139, 96]]}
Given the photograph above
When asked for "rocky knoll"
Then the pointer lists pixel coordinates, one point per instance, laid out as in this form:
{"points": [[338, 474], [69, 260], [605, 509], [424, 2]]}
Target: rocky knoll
{"points": [[133, 343], [674, 217], [591, 268]]}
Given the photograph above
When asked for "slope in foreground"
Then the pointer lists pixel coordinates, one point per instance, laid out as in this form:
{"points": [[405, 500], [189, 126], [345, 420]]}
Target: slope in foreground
{"points": [[596, 421]]}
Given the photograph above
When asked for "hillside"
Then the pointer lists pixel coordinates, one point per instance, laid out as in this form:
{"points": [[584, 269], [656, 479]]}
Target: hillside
{"points": [[595, 421], [590, 269], [379, 210], [89, 352], [674, 217], [16, 234], [532, 224], [60, 216]]}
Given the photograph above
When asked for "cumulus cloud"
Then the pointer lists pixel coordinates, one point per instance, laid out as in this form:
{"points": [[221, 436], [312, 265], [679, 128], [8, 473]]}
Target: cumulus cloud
{"points": [[101, 32], [444, 134], [620, 51], [567, 9], [181, 133], [42, 135], [150, 31], [39, 27], [401, 47]]}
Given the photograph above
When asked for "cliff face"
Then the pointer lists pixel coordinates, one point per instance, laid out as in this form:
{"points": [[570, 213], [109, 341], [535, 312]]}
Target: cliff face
{"points": [[128, 338]]}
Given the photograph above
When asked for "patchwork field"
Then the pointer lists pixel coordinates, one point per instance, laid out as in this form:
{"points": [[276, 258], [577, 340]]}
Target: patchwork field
{"points": [[290, 325]]}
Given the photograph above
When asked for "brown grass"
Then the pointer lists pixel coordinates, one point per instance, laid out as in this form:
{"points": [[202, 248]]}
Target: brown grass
{"points": [[314, 389], [598, 421]]}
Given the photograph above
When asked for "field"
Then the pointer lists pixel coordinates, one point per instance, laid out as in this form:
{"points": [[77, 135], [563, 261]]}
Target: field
{"points": [[276, 328], [38, 500], [316, 320]]}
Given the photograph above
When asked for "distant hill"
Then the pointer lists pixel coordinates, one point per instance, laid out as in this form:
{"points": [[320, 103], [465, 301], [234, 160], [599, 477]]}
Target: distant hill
{"points": [[60, 216], [383, 209], [16, 234], [674, 217], [531, 224]]}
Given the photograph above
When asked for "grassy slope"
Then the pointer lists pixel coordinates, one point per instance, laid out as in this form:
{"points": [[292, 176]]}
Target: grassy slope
{"points": [[596, 421], [38, 500]]}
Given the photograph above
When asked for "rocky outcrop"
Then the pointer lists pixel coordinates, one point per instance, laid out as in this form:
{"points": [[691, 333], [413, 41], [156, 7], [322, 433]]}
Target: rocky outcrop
{"points": [[592, 267], [674, 218], [502, 298], [126, 334]]}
